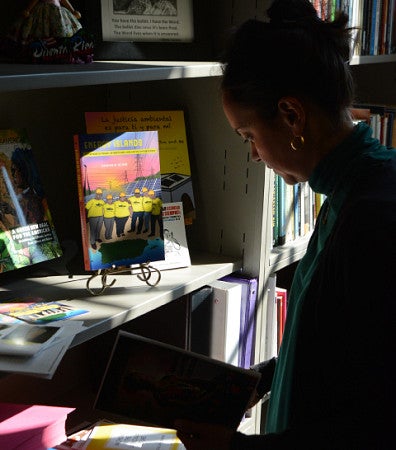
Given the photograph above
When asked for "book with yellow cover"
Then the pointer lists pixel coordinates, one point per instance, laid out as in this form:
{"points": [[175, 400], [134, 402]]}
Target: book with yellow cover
{"points": [[123, 436], [176, 183]]}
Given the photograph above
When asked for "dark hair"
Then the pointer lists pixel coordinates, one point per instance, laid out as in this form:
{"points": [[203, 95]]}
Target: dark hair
{"points": [[295, 53]]}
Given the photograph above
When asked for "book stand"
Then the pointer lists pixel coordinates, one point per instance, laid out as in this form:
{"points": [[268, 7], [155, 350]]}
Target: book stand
{"points": [[143, 271]]}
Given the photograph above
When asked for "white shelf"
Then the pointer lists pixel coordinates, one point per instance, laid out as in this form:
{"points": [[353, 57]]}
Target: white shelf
{"points": [[17, 77], [127, 299], [373, 59], [284, 255]]}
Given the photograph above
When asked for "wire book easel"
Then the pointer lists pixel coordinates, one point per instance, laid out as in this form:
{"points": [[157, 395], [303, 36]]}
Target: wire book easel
{"points": [[145, 272]]}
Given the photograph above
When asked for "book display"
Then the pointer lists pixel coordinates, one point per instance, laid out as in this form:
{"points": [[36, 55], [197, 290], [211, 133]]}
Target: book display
{"points": [[231, 216]]}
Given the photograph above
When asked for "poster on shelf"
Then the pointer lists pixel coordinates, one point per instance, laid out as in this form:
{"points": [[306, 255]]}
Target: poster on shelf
{"points": [[147, 21]]}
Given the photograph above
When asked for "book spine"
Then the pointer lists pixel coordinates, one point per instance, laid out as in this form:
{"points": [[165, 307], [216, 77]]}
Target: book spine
{"points": [[281, 210], [275, 215]]}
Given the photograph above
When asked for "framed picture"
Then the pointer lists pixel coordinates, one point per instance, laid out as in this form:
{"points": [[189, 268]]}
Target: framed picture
{"points": [[147, 20]]}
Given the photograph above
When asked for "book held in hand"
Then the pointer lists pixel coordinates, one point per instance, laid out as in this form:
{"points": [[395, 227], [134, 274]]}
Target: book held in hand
{"points": [[27, 232], [147, 382], [118, 181]]}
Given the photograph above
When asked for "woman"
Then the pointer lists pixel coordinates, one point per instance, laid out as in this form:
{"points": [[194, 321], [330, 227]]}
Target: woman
{"points": [[287, 90]]}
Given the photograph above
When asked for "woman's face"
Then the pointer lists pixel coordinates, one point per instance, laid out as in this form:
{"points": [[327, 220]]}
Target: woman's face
{"points": [[269, 140]]}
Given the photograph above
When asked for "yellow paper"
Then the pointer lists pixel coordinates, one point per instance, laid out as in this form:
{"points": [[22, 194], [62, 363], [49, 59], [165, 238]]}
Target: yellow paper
{"points": [[125, 437]]}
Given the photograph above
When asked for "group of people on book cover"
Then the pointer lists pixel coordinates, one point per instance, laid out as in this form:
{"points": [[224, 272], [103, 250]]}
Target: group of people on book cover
{"points": [[108, 215]]}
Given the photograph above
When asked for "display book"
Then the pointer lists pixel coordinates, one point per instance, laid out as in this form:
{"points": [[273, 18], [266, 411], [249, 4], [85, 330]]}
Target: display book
{"points": [[147, 382], [118, 177], [27, 231]]}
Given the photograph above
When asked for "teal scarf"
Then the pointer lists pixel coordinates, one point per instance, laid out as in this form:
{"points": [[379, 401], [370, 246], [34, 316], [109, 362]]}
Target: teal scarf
{"points": [[334, 176]]}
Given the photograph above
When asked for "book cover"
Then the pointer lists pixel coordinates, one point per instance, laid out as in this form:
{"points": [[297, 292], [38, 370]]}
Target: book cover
{"points": [[27, 232], [126, 436], [247, 317], [176, 182], [37, 310], [148, 382], [118, 178], [175, 239], [32, 426]]}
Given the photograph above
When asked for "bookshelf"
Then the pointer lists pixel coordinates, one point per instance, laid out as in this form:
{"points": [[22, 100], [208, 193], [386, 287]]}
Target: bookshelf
{"points": [[50, 102], [233, 228]]}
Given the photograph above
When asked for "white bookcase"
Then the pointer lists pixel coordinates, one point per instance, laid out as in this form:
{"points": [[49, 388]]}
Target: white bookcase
{"points": [[233, 228]]}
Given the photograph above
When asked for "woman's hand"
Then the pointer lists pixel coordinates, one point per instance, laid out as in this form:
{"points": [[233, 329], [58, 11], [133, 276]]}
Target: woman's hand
{"points": [[204, 436]]}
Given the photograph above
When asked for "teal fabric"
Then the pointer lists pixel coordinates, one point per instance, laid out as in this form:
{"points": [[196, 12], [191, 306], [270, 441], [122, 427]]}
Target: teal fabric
{"points": [[334, 176]]}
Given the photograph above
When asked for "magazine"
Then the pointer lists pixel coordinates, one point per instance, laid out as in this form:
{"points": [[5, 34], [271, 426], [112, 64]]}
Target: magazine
{"points": [[119, 180], [27, 232], [36, 310], [153, 383]]}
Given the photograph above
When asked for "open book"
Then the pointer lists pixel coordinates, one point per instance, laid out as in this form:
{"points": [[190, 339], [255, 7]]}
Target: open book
{"points": [[152, 383]]}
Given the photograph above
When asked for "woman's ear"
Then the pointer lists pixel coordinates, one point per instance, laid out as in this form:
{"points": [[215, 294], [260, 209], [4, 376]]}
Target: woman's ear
{"points": [[292, 111]]}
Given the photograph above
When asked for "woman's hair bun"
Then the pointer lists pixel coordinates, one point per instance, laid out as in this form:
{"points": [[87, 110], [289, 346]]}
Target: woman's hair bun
{"points": [[289, 11]]}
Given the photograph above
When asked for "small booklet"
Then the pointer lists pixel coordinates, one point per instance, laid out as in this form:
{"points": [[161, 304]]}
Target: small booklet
{"points": [[36, 311], [147, 382], [175, 240]]}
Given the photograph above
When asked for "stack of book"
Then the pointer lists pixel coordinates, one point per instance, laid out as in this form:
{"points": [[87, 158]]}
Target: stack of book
{"points": [[35, 427]]}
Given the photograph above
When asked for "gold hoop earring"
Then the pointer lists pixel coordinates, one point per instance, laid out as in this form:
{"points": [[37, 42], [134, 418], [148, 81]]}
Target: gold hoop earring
{"points": [[297, 143]]}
